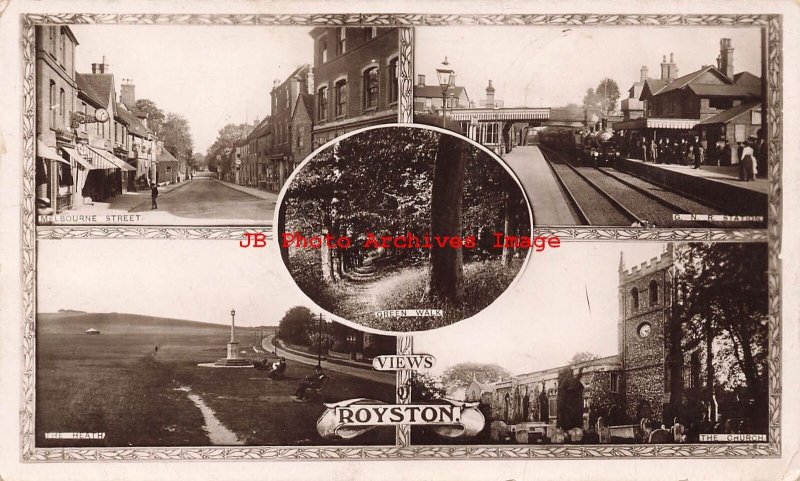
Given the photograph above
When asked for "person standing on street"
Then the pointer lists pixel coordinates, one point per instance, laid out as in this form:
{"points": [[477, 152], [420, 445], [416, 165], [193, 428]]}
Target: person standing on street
{"points": [[154, 195]]}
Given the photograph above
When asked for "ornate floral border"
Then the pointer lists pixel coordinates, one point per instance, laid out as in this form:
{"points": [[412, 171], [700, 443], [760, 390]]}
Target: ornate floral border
{"points": [[773, 26]]}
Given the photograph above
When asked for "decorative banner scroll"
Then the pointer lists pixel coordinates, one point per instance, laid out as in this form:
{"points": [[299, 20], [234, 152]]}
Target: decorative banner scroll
{"points": [[350, 418]]}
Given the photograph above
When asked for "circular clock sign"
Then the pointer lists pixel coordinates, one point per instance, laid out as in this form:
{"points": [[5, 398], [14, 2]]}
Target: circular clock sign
{"points": [[101, 115], [645, 330]]}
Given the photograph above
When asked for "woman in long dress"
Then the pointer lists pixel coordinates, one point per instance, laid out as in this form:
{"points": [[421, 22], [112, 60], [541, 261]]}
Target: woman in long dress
{"points": [[748, 164]]}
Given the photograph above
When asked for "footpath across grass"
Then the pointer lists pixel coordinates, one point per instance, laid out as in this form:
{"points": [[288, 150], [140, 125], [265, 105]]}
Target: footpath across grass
{"points": [[116, 383]]}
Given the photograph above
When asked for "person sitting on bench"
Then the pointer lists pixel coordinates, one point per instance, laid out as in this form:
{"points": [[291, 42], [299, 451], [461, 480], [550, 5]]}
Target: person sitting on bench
{"points": [[314, 381]]}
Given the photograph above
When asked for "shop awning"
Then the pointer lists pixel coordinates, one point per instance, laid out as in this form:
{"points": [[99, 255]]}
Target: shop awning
{"points": [[49, 153], [656, 123], [116, 162], [74, 155]]}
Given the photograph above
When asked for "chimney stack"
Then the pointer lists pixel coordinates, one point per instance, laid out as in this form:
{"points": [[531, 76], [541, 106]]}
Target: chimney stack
{"points": [[726, 57], [128, 93], [420, 80], [669, 71], [643, 73], [490, 95]]}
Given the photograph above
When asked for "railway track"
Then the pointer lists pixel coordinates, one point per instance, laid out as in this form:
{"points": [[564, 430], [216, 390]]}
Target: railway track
{"points": [[605, 196]]}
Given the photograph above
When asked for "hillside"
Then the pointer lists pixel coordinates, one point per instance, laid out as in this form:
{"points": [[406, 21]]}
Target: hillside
{"points": [[120, 323]]}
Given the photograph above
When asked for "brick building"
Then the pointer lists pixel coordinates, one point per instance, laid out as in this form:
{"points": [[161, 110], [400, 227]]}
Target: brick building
{"points": [[56, 189], [284, 97], [712, 103], [355, 79], [428, 98], [650, 376], [301, 128]]}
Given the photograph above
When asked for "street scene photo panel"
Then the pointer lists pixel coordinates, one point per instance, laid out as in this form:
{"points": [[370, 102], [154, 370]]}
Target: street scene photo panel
{"points": [[131, 128], [637, 126]]}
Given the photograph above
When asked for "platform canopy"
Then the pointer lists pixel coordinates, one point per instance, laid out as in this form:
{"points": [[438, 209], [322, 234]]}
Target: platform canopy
{"points": [[484, 115], [656, 123]]}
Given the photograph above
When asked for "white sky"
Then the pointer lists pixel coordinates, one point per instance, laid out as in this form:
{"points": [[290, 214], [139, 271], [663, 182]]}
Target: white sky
{"points": [[212, 75], [194, 279], [538, 324], [558, 64], [545, 319]]}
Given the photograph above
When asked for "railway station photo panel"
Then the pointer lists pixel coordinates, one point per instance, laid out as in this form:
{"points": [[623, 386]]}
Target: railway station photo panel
{"points": [[610, 126]]}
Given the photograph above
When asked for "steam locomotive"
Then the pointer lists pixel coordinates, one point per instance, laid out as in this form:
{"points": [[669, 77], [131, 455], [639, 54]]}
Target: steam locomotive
{"points": [[595, 148]]}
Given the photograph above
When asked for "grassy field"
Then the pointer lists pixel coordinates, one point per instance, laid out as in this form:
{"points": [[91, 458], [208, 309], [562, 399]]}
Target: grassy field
{"points": [[117, 384]]}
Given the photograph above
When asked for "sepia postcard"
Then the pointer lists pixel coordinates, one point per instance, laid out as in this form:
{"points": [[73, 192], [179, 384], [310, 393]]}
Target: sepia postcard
{"points": [[384, 240]]}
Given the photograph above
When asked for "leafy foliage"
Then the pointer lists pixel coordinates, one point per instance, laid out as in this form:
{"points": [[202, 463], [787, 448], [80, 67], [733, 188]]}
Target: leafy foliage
{"points": [[583, 356], [570, 400], [155, 116], [461, 374], [603, 99], [218, 155], [296, 325]]}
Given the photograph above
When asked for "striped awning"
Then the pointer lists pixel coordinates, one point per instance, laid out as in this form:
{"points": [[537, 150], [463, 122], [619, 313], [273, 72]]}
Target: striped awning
{"points": [[74, 155], [110, 158], [47, 152], [488, 115], [656, 123]]}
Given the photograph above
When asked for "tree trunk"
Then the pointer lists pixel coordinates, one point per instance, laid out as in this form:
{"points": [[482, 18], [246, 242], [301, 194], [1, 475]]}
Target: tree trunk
{"points": [[710, 375], [447, 265], [509, 227], [329, 273]]}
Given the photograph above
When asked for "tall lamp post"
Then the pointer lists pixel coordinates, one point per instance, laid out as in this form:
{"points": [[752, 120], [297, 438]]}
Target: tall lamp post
{"points": [[319, 341], [446, 78]]}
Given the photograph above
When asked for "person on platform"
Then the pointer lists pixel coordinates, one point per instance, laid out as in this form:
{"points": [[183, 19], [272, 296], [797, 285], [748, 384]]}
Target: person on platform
{"points": [[653, 151], [313, 381], [644, 149], [747, 169], [154, 195], [699, 155]]}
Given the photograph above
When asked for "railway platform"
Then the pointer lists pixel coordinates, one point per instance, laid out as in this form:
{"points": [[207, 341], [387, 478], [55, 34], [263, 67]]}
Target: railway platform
{"points": [[717, 186], [550, 207]]}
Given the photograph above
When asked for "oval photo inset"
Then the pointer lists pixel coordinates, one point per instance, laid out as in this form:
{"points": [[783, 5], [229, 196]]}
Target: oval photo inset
{"points": [[402, 228]]}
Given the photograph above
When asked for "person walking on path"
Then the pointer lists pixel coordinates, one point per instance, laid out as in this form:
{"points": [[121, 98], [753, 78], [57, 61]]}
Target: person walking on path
{"points": [[154, 195]]}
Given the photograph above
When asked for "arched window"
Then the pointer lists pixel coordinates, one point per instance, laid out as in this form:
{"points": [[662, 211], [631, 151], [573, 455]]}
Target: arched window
{"points": [[635, 298], [341, 98], [653, 290], [371, 88]]}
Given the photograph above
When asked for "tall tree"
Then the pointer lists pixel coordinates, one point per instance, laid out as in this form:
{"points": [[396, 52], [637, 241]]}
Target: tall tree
{"points": [[446, 280], [570, 400], [177, 137], [602, 99], [583, 356], [155, 116], [723, 289], [218, 154]]}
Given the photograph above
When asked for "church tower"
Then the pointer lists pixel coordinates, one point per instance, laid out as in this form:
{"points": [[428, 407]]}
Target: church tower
{"points": [[648, 343]]}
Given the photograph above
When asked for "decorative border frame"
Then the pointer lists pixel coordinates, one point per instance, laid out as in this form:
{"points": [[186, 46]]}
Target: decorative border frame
{"points": [[772, 23]]}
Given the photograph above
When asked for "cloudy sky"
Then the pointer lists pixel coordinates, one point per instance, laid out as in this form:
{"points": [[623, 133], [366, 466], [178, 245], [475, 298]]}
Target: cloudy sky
{"points": [[557, 64], [545, 318], [212, 75]]}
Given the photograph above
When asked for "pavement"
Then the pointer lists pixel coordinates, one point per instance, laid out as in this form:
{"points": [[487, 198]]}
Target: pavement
{"points": [[260, 193], [385, 377], [549, 204], [200, 201], [728, 175]]}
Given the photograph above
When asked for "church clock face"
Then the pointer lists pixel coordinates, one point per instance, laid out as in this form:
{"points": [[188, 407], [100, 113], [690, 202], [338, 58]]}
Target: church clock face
{"points": [[645, 330]]}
